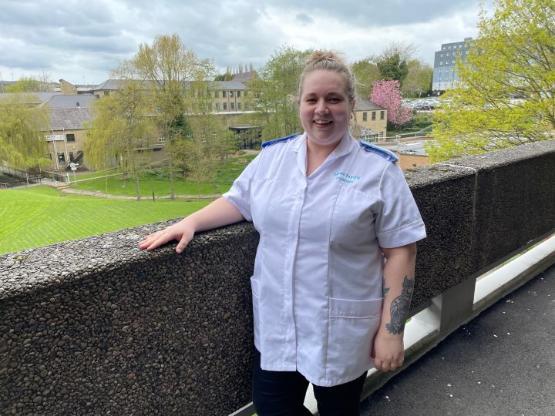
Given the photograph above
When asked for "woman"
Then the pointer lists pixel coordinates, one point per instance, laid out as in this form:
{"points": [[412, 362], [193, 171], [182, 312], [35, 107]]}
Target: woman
{"points": [[334, 269]]}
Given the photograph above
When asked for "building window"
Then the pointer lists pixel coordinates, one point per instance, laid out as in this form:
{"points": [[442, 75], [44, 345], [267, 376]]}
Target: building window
{"points": [[364, 116], [382, 115], [373, 115], [238, 94], [232, 106], [61, 157], [231, 93], [70, 137], [218, 106], [238, 106], [106, 93], [224, 94], [225, 106]]}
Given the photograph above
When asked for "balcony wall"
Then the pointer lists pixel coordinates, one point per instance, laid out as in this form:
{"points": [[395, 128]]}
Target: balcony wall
{"points": [[98, 327]]}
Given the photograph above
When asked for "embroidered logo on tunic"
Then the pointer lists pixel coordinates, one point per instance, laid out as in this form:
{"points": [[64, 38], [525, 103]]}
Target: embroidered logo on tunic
{"points": [[345, 177]]}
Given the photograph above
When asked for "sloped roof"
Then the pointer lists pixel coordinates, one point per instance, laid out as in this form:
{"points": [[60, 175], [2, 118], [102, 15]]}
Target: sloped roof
{"points": [[30, 97], [362, 104], [71, 101], [244, 76], [110, 84], [69, 118]]}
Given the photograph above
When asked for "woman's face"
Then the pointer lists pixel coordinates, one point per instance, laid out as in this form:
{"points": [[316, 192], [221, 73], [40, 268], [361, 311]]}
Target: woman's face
{"points": [[324, 107]]}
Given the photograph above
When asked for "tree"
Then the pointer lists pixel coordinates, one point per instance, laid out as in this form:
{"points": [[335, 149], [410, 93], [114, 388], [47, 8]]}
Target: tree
{"points": [[121, 128], [169, 68], [386, 94], [28, 85], [392, 63], [505, 96], [366, 72], [274, 92], [22, 127], [419, 79]]}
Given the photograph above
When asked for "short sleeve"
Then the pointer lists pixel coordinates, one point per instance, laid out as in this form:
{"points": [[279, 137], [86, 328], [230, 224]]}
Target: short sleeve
{"points": [[398, 222], [240, 192]]}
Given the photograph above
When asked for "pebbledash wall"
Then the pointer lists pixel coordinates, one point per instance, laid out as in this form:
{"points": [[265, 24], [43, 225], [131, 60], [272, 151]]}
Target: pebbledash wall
{"points": [[98, 327]]}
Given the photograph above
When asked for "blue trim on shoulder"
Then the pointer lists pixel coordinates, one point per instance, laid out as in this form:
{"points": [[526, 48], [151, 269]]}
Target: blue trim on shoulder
{"points": [[280, 140], [380, 151]]}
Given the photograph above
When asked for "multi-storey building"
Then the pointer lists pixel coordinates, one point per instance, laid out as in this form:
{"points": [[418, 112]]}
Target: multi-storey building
{"points": [[445, 71]]}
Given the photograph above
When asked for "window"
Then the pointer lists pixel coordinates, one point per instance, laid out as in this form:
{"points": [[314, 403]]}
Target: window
{"points": [[70, 137], [61, 157], [106, 93], [238, 94], [224, 94], [364, 116], [373, 115], [225, 106], [232, 106], [238, 106], [382, 115], [231, 93]]}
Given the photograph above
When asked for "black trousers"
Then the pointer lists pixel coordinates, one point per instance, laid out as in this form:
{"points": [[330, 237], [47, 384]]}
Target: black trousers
{"points": [[281, 393]]}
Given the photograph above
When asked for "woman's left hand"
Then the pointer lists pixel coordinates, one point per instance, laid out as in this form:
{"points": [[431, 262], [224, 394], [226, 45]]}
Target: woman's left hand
{"points": [[388, 351]]}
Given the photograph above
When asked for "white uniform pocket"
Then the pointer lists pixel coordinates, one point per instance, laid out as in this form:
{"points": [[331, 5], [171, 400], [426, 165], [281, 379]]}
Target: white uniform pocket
{"points": [[352, 326]]}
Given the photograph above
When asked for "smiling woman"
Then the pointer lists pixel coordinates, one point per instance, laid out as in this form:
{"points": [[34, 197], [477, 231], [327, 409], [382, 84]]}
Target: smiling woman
{"points": [[329, 210]]}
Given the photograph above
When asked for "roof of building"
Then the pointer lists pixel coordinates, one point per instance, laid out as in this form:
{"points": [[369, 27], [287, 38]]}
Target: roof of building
{"points": [[244, 76], [110, 84], [71, 101], [362, 104], [30, 97], [69, 118], [228, 85]]}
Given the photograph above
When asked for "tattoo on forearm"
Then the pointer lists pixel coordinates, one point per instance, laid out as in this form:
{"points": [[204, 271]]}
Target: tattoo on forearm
{"points": [[400, 307]]}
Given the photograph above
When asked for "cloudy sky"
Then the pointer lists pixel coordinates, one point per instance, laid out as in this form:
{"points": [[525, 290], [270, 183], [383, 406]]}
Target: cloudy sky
{"points": [[82, 41]]}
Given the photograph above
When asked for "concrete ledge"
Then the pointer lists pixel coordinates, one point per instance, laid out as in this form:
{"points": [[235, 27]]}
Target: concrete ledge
{"points": [[97, 327]]}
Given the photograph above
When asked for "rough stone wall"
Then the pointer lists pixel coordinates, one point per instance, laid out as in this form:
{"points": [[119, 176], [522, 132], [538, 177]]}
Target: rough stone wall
{"points": [[98, 327]]}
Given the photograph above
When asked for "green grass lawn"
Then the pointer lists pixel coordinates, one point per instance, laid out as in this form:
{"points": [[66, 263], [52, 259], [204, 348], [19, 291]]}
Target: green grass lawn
{"points": [[158, 182], [38, 216]]}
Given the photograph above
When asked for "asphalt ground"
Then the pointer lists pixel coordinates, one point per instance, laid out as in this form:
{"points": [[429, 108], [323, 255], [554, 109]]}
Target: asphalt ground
{"points": [[502, 363]]}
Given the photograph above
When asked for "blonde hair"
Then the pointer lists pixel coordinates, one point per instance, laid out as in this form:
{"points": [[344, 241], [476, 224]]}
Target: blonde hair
{"points": [[329, 61]]}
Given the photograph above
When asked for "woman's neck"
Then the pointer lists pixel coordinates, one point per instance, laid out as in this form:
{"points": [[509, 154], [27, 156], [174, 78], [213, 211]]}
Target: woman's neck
{"points": [[316, 154]]}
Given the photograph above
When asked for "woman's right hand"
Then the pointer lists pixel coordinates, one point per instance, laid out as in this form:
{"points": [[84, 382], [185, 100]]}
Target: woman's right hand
{"points": [[183, 232]]}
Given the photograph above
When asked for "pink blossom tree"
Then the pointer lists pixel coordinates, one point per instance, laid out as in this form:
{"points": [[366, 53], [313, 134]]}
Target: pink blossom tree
{"points": [[387, 94]]}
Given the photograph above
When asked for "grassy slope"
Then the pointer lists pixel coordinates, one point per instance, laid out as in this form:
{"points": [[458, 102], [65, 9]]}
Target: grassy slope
{"points": [[159, 184], [39, 216]]}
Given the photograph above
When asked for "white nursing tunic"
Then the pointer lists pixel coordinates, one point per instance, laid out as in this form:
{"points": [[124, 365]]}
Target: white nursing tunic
{"points": [[317, 283]]}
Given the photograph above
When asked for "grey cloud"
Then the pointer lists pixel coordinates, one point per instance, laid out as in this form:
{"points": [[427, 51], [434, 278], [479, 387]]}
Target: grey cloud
{"points": [[95, 36], [378, 13], [304, 18]]}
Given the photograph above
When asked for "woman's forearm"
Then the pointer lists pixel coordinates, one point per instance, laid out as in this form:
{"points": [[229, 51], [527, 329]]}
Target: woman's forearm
{"points": [[216, 214], [398, 287]]}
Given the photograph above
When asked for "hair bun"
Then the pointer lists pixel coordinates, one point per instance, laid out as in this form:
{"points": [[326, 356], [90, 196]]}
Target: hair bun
{"points": [[321, 56]]}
